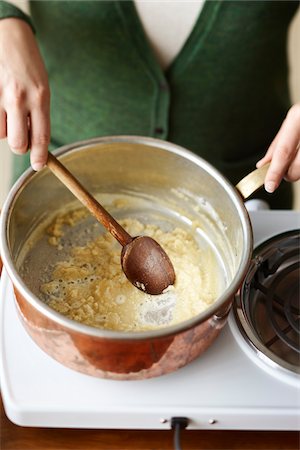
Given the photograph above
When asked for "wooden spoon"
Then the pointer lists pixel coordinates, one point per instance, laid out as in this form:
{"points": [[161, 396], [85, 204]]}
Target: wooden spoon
{"points": [[144, 262]]}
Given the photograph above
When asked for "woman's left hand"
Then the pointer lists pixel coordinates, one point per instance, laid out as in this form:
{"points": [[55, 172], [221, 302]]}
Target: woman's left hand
{"points": [[284, 152]]}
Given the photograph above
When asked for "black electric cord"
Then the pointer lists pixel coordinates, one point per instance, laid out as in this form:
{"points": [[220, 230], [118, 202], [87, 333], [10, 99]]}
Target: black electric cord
{"points": [[178, 424]]}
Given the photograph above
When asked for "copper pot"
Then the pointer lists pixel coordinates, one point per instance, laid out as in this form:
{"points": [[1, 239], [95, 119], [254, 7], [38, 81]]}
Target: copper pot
{"points": [[176, 180]]}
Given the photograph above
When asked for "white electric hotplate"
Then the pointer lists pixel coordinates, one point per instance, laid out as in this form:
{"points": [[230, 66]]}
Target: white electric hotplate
{"points": [[223, 389]]}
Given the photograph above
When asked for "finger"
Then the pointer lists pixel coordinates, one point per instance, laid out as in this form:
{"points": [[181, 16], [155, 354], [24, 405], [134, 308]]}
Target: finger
{"points": [[293, 173], [17, 130], [40, 138], [268, 156], [284, 152], [2, 124]]}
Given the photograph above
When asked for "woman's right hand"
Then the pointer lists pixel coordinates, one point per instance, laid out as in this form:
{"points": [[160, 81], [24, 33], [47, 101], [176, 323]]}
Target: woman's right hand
{"points": [[24, 92]]}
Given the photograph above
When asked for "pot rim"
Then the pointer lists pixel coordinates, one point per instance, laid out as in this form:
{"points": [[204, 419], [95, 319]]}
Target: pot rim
{"points": [[78, 327]]}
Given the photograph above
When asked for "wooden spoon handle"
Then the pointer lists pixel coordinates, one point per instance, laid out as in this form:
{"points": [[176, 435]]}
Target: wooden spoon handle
{"points": [[86, 198]]}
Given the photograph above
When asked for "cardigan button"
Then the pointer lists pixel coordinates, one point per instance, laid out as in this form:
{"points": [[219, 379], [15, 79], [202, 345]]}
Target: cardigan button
{"points": [[159, 130]]}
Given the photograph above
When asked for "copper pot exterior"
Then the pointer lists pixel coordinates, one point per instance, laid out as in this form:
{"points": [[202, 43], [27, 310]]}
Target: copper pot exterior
{"points": [[134, 359]]}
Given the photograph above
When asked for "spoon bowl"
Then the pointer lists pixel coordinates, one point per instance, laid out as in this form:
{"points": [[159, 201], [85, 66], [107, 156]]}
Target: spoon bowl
{"points": [[147, 266]]}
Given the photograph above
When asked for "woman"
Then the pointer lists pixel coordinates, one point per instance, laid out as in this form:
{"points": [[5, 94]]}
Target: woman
{"points": [[223, 96]]}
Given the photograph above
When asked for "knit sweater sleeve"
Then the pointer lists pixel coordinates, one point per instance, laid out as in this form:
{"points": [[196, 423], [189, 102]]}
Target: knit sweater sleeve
{"points": [[9, 10]]}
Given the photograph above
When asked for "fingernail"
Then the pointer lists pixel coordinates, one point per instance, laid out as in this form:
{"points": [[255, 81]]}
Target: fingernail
{"points": [[259, 163], [37, 166], [270, 186]]}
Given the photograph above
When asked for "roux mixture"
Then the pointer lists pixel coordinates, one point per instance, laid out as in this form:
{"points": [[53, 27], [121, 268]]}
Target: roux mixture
{"points": [[89, 285]]}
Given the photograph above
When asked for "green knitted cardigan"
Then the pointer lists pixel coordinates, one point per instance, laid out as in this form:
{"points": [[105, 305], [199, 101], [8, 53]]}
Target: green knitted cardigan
{"points": [[224, 96]]}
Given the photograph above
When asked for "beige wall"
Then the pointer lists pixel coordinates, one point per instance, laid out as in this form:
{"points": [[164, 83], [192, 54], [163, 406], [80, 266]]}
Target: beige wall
{"points": [[294, 54]]}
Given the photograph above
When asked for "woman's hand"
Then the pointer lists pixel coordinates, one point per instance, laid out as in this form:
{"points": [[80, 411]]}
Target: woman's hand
{"points": [[284, 152], [24, 92]]}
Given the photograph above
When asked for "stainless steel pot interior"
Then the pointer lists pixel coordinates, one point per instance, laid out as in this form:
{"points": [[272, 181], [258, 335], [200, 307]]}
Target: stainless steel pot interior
{"points": [[169, 185]]}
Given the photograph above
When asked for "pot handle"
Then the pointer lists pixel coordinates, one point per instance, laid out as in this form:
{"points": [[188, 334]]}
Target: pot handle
{"points": [[252, 182]]}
